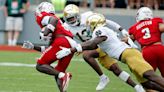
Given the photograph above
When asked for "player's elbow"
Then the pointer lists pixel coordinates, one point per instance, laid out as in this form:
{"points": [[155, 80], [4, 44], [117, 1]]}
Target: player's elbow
{"points": [[53, 21]]}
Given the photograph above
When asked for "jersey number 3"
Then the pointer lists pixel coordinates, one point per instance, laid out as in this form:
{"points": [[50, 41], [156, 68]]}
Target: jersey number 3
{"points": [[146, 32]]}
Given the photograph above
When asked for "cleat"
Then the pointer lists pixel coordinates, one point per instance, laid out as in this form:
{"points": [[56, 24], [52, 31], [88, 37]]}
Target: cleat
{"points": [[102, 83], [65, 81]]}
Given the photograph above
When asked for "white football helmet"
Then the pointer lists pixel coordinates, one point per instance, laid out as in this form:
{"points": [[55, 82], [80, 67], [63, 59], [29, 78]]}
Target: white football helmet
{"points": [[144, 13], [72, 15], [45, 7]]}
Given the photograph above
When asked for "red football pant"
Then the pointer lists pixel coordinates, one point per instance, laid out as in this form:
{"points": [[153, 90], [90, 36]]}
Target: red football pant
{"points": [[154, 55], [49, 55]]}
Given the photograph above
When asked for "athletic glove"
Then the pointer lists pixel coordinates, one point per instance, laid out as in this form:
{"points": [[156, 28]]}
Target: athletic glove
{"points": [[63, 52], [124, 33], [131, 43], [28, 45]]}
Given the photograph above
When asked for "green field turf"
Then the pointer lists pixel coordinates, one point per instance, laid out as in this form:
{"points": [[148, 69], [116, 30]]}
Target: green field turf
{"points": [[27, 79]]}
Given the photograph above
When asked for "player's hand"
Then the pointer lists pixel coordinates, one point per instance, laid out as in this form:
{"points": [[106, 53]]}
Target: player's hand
{"points": [[63, 52], [125, 33], [125, 39], [45, 38], [28, 45]]}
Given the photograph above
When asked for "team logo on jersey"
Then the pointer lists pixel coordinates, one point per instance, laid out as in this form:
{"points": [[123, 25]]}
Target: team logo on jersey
{"points": [[98, 33]]}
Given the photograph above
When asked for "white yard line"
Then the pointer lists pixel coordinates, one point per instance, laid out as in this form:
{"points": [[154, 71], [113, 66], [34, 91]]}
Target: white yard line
{"points": [[15, 91], [27, 65], [16, 64]]}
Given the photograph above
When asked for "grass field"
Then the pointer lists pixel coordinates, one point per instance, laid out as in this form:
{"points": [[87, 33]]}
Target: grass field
{"points": [[27, 79]]}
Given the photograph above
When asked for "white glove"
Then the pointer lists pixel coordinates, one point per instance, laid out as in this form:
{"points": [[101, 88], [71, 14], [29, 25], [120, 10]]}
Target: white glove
{"points": [[45, 38], [131, 43], [124, 33], [28, 45], [63, 52]]}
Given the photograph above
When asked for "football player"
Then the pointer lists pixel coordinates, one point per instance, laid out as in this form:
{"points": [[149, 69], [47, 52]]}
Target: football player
{"points": [[147, 32], [107, 40], [76, 23], [52, 29]]}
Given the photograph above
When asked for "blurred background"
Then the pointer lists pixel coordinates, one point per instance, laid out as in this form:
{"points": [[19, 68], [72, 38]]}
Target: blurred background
{"points": [[121, 11]]}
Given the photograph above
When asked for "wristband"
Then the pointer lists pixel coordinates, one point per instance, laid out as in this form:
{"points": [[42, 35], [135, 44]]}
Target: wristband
{"points": [[79, 48], [43, 48], [51, 27]]}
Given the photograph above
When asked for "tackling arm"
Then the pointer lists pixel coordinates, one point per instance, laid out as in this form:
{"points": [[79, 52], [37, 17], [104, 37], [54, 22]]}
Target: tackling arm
{"points": [[113, 25], [92, 44], [116, 26], [89, 45]]}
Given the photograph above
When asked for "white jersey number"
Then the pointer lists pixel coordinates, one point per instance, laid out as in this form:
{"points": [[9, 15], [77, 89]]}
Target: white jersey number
{"points": [[146, 32]]}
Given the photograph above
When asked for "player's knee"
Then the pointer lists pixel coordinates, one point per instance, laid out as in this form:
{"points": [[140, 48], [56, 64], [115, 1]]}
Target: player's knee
{"points": [[39, 67], [147, 84], [150, 75], [115, 69], [86, 55], [90, 54]]}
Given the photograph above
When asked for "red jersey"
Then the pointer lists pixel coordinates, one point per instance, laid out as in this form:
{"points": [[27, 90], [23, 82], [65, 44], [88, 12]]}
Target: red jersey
{"points": [[146, 32], [59, 29]]}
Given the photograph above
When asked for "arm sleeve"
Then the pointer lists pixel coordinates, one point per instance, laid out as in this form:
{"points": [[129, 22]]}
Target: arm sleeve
{"points": [[45, 20], [113, 25]]}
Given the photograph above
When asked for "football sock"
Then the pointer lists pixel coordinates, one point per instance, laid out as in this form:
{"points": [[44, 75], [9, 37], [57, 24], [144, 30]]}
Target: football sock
{"points": [[14, 42], [61, 74], [9, 42], [102, 76]]}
